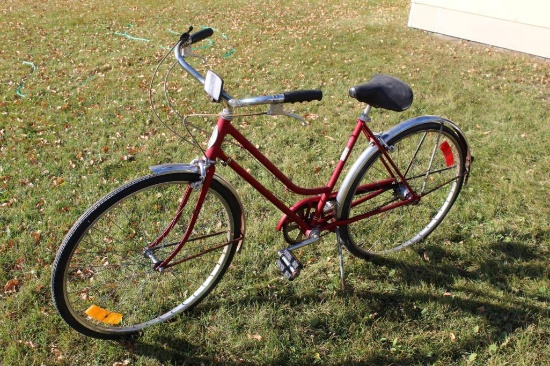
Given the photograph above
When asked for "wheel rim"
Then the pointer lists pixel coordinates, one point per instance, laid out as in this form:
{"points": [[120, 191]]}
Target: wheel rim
{"points": [[107, 268]]}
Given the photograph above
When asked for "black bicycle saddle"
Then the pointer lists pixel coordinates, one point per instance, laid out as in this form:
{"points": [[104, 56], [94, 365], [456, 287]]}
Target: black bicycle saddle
{"points": [[383, 91]]}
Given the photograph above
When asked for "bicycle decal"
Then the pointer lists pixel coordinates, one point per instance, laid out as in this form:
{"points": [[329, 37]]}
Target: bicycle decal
{"points": [[213, 138], [345, 154]]}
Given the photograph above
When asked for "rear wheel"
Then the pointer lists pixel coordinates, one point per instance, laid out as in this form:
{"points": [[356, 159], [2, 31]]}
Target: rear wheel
{"points": [[102, 284], [432, 158]]}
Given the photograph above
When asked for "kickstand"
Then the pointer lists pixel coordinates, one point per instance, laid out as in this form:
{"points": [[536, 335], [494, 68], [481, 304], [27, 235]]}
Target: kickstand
{"points": [[341, 260]]}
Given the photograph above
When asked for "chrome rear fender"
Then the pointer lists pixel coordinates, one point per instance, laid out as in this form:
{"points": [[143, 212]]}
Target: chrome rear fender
{"points": [[387, 136]]}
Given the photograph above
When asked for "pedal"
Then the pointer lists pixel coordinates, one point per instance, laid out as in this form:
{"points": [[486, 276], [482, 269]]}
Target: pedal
{"points": [[288, 264]]}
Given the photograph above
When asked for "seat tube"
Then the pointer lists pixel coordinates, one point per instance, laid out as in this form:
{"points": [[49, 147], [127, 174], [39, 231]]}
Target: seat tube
{"points": [[340, 166]]}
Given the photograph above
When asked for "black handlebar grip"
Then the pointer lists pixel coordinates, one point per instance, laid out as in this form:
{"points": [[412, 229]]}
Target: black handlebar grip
{"points": [[200, 35], [302, 96]]}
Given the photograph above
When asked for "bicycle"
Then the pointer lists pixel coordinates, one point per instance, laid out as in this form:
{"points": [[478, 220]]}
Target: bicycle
{"points": [[158, 245]]}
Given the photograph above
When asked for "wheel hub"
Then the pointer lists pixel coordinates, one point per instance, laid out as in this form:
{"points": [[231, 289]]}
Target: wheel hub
{"points": [[402, 192]]}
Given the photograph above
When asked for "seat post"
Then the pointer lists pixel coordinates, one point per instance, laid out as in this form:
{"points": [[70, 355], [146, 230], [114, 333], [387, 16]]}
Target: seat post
{"points": [[365, 115]]}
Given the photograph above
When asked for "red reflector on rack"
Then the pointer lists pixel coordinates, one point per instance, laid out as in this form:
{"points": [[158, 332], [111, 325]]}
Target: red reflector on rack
{"points": [[448, 153]]}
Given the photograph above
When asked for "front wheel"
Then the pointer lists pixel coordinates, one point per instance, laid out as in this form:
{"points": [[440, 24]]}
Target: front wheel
{"points": [[105, 287], [432, 158]]}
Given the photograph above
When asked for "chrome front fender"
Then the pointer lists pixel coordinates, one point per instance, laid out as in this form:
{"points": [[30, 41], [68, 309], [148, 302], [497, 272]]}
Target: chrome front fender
{"points": [[174, 168], [387, 136]]}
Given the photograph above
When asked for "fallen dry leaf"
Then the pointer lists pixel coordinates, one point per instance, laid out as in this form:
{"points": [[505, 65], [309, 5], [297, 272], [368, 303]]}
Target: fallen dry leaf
{"points": [[256, 337], [36, 236], [426, 256], [11, 286]]}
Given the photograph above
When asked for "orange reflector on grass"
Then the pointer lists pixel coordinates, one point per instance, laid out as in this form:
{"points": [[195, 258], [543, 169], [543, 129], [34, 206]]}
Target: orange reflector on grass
{"points": [[104, 316], [448, 153]]}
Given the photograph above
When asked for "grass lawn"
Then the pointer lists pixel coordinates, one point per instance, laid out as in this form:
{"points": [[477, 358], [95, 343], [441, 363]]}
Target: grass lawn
{"points": [[75, 123]]}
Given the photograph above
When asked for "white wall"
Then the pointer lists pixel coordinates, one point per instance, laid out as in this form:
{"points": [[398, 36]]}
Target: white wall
{"points": [[521, 25]]}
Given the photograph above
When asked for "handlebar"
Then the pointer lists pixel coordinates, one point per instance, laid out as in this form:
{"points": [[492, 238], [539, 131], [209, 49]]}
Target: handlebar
{"points": [[302, 96], [200, 35], [183, 50], [187, 37], [289, 97]]}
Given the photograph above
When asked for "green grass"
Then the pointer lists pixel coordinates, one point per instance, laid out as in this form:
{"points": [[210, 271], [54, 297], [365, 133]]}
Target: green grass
{"points": [[476, 292]]}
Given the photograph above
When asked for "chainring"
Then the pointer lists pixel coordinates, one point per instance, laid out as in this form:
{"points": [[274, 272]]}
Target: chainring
{"points": [[292, 233]]}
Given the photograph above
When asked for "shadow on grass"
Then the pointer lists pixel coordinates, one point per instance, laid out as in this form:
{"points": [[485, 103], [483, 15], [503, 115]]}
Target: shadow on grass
{"points": [[504, 307], [171, 350], [485, 277]]}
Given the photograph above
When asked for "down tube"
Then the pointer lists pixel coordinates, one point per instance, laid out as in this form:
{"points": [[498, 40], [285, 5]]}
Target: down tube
{"points": [[264, 191], [214, 151]]}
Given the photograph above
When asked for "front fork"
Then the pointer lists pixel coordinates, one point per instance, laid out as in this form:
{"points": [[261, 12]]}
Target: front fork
{"points": [[206, 170]]}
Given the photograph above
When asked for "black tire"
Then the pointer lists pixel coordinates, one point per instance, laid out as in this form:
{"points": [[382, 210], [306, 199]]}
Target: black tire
{"points": [[439, 187], [101, 262]]}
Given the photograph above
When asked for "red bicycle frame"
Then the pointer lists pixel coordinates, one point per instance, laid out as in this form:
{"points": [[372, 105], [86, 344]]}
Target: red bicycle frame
{"points": [[215, 152]]}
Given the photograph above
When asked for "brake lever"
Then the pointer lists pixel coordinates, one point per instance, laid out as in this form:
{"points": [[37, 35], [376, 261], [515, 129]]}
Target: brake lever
{"points": [[185, 36], [277, 110], [187, 51]]}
